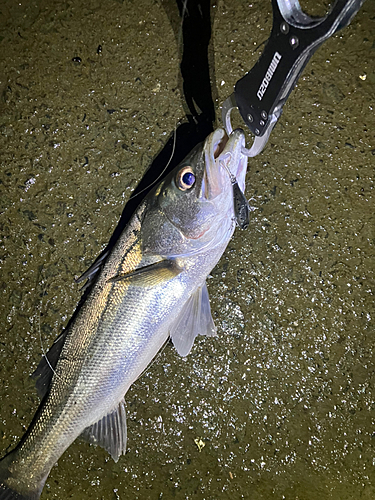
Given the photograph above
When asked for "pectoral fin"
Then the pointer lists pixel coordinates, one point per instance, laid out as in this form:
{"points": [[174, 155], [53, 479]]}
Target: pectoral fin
{"points": [[109, 432], [151, 275], [194, 319]]}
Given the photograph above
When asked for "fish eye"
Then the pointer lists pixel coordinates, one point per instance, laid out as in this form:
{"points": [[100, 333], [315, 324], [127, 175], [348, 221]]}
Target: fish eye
{"points": [[185, 178]]}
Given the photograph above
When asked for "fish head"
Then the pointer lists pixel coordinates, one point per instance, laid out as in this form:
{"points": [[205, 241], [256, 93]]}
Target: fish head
{"points": [[192, 208]]}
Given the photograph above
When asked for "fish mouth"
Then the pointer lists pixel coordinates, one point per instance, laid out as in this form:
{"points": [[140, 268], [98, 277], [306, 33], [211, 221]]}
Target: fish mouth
{"points": [[220, 149], [219, 144]]}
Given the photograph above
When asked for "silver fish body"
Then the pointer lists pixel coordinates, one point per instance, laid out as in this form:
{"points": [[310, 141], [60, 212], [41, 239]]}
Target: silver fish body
{"points": [[151, 287]]}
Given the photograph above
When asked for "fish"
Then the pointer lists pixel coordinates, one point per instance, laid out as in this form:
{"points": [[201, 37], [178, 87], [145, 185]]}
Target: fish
{"points": [[150, 288]]}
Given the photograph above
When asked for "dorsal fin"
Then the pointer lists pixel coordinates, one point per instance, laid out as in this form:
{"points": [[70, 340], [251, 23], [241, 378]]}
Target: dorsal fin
{"points": [[91, 272], [47, 364], [124, 245]]}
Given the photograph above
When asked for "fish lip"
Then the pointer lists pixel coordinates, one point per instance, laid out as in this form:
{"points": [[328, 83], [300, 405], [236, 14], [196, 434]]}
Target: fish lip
{"points": [[235, 142], [220, 147], [232, 152]]}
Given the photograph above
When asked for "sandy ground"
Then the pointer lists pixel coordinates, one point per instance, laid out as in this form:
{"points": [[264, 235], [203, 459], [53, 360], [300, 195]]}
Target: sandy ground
{"points": [[284, 398]]}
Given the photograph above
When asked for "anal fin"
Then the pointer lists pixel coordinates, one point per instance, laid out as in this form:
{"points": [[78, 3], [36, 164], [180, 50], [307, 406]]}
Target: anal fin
{"points": [[109, 432]]}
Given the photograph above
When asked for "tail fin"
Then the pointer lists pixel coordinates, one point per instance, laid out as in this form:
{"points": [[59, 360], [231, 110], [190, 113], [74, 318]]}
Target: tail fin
{"points": [[8, 484]]}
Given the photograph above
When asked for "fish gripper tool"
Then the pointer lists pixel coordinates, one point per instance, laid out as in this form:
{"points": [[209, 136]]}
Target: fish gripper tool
{"points": [[261, 94]]}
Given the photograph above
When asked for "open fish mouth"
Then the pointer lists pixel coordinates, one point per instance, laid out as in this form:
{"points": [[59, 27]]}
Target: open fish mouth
{"points": [[221, 147], [218, 144]]}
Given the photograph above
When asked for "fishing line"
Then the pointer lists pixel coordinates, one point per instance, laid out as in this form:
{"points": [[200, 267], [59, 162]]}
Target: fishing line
{"points": [[44, 352], [179, 45], [164, 169], [227, 157]]}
